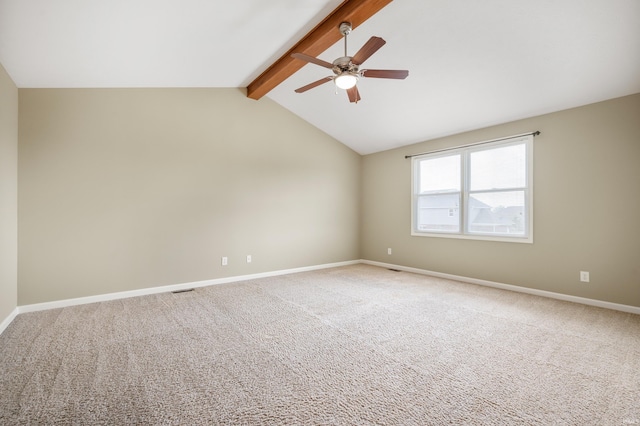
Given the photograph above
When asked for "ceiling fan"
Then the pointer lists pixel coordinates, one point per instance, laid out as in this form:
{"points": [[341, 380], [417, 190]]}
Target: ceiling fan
{"points": [[346, 68]]}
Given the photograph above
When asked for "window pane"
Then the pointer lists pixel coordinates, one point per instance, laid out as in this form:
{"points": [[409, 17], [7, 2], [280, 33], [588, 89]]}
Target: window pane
{"points": [[440, 213], [497, 213], [498, 168], [441, 174]]}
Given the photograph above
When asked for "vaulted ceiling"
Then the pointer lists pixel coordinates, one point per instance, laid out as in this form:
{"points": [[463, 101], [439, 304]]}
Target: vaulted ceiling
{"points": [[472, 64]]}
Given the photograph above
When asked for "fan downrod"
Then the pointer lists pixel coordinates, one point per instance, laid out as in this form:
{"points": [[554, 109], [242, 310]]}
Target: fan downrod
{"points": [[343, 64]]}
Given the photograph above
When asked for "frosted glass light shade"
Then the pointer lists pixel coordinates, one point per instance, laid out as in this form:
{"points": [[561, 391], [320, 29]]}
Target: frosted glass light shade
{"points": [[346, 81]]}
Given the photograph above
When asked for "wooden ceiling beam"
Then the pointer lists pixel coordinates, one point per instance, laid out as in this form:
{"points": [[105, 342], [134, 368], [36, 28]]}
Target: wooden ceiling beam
{"points": [[323, 36]]}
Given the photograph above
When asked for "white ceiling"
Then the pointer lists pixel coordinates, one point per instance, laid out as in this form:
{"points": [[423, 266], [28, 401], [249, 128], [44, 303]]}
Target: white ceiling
{"points": [[472, 64]]}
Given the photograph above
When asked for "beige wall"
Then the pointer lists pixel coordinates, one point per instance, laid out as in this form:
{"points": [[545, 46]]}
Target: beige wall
{"points": [[586, 208], [8, 195], [122, 189]]}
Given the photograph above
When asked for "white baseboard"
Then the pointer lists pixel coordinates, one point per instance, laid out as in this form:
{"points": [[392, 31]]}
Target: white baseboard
{"points": [[196, 284], [533, 291], [173, 287], [5, 323]]}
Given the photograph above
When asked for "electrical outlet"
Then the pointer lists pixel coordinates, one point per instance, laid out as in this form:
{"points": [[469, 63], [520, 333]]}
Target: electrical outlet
{"points": [[248, 258], [584, 276], [225, 261], [389, 251]]}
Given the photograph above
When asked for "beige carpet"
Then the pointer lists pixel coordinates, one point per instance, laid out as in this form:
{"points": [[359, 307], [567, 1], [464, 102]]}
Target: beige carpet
{"points": [[354, 345]]}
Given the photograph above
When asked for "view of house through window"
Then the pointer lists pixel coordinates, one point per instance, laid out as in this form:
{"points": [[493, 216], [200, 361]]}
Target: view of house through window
{"points": [[482, 191]]}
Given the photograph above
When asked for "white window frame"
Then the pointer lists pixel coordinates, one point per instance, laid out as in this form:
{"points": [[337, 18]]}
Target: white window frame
{"points": [[465, 153]]}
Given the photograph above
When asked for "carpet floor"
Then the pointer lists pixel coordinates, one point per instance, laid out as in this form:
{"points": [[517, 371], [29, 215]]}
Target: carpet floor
{"points": [[354, 345]]}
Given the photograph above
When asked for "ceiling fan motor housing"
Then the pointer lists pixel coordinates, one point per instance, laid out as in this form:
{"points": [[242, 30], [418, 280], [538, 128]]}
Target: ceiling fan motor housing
{"points": [[344, 64]]}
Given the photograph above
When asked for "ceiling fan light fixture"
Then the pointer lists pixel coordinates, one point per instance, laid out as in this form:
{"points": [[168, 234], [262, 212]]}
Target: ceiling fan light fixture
{"points": [[346, 68], [346, 80]]}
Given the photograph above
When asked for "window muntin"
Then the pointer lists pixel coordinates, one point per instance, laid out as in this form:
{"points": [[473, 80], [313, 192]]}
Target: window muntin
{"points": [[487, 188]]}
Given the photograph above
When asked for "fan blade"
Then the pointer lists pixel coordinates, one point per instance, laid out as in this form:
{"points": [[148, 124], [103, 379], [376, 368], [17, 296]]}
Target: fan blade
{"points": [[369, 48], [314, 84], [313, 60], [397, 74], [354, 95]]}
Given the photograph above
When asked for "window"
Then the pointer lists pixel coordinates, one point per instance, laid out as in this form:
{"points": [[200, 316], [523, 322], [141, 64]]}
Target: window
{"points": [[481, 192]]}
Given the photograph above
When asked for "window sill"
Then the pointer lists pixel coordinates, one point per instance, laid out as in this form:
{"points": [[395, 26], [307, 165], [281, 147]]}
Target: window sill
{"points": [[498, 238]]}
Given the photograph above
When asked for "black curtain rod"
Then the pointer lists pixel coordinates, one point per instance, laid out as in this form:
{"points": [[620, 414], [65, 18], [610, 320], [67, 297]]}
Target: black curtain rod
{"points": [[536, 133]]}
